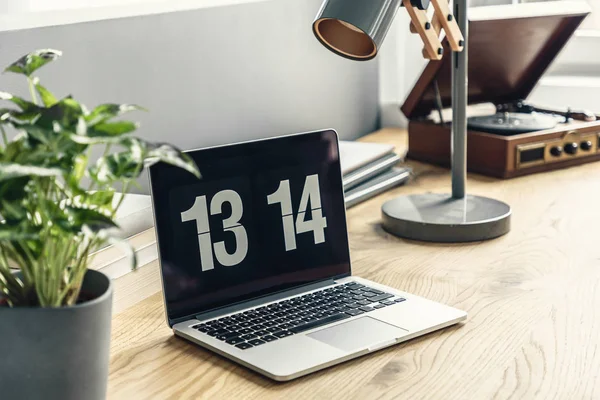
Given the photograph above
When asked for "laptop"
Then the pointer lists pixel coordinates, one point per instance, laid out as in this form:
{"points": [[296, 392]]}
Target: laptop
{"points": [[255, 262]]}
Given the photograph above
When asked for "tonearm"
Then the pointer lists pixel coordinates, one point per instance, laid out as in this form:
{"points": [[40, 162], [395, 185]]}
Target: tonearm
{"points": [[521, 106]]}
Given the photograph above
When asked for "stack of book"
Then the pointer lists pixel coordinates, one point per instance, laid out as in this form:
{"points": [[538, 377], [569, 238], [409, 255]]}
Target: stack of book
{"points": [[369, 169], [137, 228]]}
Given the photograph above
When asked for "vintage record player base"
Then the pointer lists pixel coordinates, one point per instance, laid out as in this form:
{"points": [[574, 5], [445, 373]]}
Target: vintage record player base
{"points": [[442, 218]]}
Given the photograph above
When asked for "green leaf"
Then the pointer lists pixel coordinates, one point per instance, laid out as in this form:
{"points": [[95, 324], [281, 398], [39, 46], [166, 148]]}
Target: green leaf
{"points": [[87, 140], [64, 148], [5, 114], [59, 217], [25, 150], [80, 163], [171, 155], [136, 146], [11, 199], [47, 98], [107, 111], [101, 198], [12, 171], [18, 232], [16, 149], [66, 113], [18, 158], [13, 210], [17, 118], [45, 136], [29, 63], [92, 219], [124, 165], [112, 128], [23, 104], [13, 190], [129, 164], [33, 246], [117, 166]]}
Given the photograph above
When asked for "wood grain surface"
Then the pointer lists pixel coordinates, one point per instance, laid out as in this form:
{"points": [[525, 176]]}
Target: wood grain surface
{"points": [[134, 287], [533, 298]]}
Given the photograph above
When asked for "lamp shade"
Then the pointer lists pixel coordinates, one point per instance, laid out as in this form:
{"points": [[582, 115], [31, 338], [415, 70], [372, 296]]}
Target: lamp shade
{"points": [[355, 28]]}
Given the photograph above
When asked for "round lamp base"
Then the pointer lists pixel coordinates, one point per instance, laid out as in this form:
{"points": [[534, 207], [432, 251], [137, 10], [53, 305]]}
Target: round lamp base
{"points": [[441, 218]]}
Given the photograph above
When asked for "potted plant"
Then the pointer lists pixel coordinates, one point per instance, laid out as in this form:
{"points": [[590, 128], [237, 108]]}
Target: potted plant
{"points": [[57, 206]]}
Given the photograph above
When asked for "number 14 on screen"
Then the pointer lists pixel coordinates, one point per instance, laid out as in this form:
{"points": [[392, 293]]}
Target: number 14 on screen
{"points": [[291, 228]]}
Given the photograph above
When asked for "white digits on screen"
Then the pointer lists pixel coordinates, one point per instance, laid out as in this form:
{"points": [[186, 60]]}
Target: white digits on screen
{"points": [[284, 197], [231, 224], [199, 213], [316, 225]]}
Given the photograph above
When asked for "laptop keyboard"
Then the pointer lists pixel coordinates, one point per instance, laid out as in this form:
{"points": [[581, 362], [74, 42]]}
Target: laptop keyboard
{"points": [[296, 315]]}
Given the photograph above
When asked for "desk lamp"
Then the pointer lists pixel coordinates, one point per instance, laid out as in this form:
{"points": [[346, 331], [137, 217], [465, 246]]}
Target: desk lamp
{"points": [[355, 29]]}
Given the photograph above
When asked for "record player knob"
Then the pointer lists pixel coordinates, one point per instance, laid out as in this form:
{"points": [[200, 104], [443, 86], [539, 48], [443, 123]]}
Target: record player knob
{"points": [[556, 151], [586, 145], [571, 148]]}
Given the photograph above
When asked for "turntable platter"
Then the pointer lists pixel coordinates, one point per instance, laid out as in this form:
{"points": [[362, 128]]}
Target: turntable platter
{"points": [[509, 123]]}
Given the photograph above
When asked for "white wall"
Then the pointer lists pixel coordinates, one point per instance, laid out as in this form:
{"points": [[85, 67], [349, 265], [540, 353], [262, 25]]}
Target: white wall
{"points": [[208, 76], [400, 64]]}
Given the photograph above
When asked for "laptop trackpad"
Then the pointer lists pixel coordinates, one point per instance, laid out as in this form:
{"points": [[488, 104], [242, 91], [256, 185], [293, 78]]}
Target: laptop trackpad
{"points": [[358, 334]]}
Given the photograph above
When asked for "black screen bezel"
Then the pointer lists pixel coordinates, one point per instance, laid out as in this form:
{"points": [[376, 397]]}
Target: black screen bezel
{"points": [[159, 193]]}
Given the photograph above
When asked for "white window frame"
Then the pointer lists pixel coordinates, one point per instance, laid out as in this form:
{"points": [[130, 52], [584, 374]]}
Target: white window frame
{"points": [[579, 57], [573, 80]]}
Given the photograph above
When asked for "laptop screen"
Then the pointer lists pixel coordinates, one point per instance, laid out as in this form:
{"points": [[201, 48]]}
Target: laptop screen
{"points": [[266, 216]]}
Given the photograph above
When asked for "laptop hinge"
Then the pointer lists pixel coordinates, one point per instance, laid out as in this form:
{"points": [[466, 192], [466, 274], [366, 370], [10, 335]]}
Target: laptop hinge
{"points": [[264, 299]]}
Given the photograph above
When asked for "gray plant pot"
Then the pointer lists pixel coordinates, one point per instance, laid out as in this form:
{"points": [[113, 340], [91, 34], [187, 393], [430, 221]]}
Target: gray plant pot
{"points": [[58, 353]]}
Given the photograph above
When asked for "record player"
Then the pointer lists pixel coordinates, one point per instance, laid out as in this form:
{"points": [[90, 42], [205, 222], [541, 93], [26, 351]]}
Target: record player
{"points": [[510, 47]]}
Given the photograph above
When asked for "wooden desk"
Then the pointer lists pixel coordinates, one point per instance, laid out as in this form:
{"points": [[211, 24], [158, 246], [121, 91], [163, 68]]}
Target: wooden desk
{"points": [[533, 299]]}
